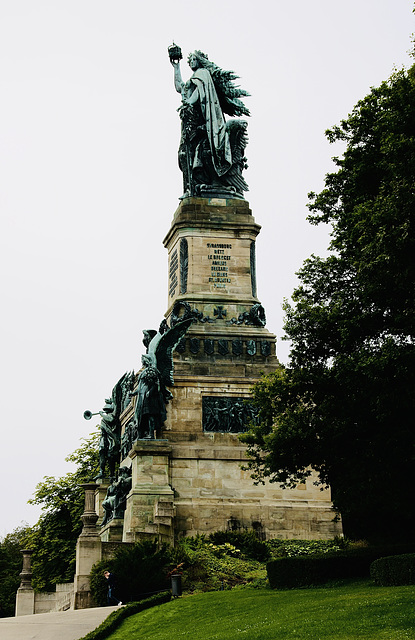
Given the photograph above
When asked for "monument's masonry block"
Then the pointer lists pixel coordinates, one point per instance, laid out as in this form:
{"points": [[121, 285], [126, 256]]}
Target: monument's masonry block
{"points": [[197, 463]]}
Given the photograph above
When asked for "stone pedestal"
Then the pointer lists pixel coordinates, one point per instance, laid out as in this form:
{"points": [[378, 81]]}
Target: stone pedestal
{"points": [[25, 597], [88, 550], [113, 531], [211, 247], [197, 469], [212, 277], [150, 503]]}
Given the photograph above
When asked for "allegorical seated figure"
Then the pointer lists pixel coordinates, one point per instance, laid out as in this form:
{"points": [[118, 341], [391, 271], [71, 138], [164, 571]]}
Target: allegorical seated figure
{"points": [[211, 152], [114, 503]]}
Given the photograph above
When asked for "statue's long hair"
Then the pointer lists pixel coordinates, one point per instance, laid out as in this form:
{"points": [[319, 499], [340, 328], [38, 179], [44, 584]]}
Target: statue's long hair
{"points": [[229, 94]]}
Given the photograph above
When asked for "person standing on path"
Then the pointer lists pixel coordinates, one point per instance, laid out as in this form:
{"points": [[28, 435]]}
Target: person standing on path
{"points": [[111, 597]]}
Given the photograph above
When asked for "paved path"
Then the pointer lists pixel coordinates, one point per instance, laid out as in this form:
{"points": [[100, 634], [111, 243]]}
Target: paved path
{"points": [[62, 625]]}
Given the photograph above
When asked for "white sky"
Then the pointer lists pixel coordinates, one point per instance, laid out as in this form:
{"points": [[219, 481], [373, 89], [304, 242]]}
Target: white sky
{"points": [[89, 182]]}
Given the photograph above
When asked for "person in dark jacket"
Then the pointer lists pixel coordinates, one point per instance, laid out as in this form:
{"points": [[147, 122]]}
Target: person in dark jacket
{"points": [[111, 597]]}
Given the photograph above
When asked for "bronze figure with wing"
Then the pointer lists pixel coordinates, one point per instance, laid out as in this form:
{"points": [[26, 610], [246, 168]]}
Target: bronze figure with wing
{"points": [[151, 393]]}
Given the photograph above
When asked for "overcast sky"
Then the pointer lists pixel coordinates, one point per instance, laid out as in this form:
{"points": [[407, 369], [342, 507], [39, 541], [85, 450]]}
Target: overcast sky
{"points": [[89, 182]]}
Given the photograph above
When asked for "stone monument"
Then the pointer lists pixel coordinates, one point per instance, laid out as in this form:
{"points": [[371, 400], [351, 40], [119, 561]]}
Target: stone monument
{"points": [[174, 427], [187, 474]]}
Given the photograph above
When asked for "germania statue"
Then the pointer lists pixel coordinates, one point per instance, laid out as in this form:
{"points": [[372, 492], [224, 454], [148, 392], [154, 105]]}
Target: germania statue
{"points": [[211, 152]]}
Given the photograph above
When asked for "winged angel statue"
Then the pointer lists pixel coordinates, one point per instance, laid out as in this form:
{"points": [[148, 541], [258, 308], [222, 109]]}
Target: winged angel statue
{"points": [[157, 373], [211, 152]]}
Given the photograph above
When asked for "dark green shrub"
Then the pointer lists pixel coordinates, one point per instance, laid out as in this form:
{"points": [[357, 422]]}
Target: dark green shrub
{"points": [[116, 617], [303, 571], [309, 570], [394, 570], [246, 541], [99, 585], [140, 570]]}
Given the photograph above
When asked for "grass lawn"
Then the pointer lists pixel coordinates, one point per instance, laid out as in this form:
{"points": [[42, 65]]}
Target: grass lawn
{"points": [[343, 612]]}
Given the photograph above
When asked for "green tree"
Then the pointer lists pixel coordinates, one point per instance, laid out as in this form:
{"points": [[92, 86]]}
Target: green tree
{"points": [[53, 538], [10, 568], [345, 403]]}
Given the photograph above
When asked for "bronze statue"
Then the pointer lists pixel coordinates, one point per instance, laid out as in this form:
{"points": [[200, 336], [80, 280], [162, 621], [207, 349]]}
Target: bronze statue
{"points": [[152, 393], [114, 503], [211, 152], [110, 437]]}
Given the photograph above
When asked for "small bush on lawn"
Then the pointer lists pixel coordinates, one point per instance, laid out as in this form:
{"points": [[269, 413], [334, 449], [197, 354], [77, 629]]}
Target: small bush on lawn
{"points": [[116, 617], [140, 570], [394, 570]]}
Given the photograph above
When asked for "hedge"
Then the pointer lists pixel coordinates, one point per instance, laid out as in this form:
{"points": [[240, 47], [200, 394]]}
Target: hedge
{"points": [[394, 570], [113, 621], [302, 571]]}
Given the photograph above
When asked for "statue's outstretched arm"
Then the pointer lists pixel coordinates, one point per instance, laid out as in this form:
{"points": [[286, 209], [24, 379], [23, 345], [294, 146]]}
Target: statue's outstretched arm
{"points": [[178, 82]]}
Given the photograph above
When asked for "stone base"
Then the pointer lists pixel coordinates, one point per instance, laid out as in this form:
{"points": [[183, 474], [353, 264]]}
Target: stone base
{"points": [[213, 492], [25, 602], [149, 511], [88, 552], [112, 532], [198, 468]]}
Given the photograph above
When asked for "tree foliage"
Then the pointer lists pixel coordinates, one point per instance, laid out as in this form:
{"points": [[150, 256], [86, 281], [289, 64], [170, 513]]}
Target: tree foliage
{"points": [[53, 538], [345, 404], [10, 568]]}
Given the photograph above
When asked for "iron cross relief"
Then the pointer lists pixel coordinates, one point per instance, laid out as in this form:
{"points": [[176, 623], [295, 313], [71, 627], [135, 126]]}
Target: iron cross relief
{"points": [[219, 312]]}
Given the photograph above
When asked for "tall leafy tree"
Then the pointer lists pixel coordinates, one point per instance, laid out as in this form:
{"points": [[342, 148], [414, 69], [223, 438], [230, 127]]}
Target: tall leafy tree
{"points": [[345, 404], [53, 538]]}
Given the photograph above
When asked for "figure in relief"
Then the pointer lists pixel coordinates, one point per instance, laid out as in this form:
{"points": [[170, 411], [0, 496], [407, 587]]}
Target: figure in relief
{"points": [[211, 152]]}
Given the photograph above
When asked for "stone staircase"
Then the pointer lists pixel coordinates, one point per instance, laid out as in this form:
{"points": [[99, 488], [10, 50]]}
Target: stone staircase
{"points": [[162, 525]]}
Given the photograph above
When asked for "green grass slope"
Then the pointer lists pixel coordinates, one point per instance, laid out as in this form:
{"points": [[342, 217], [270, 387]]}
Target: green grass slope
{"points": [[349, 611]]}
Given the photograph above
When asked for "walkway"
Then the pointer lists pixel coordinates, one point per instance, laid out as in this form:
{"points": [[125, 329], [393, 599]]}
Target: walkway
{"points": [[62, 625]]}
